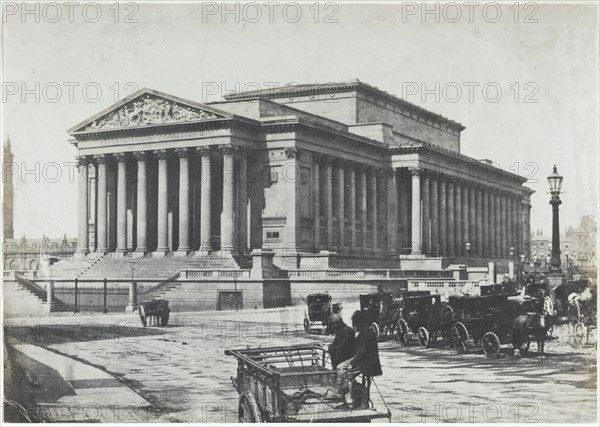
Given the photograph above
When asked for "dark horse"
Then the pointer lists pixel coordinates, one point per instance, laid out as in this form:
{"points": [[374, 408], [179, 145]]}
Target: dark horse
{"points": [[526, 326]]}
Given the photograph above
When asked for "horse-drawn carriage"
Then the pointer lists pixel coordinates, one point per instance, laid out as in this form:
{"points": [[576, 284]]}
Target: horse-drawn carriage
{"points": [[423, 315], [317, 316], [157, 310], [494, 320], [290, 384], [382, 312]]}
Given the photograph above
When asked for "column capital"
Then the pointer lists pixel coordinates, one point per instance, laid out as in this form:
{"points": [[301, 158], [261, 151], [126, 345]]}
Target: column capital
{"points": [[388, 172], [317, 157], [160, 154], [140, 155], [415, 170], [120, 157], [82, 160], [204, 151], [292, 152], [229, 149], [101, 159], [182, 153]]}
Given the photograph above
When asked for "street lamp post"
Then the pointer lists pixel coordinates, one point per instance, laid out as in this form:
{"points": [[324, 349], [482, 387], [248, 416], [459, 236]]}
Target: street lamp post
{"points": [[555, 183], [511, 263], [132, 304], [468, 247]]}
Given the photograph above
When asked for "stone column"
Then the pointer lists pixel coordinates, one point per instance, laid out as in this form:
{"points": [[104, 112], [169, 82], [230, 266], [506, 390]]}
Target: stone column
{"points": [[479, 222], [82, 239], [451, 242], [519, 227], [417, 244], [472, 222], [392, 211], [142, 209], [316, 203], [465, 218], [511, 225], [206, 243], [328, 200], [352, 212], [426, 214], [404, 209], [341, 202], [433, 209], [162, 230], [485, 228], [101, 228], [184, 201], [498, 221], [458, 243], [228, 215], [492, 252], [442, 215], [503, 230], [373, 206], [242, 209], [121, 202], [363, 206]]}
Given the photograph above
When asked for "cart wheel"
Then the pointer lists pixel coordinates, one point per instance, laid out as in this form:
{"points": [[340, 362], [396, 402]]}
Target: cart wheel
{"points": [[248, 411], [402, 332], [306, 325], [460, 337], [523, 347], [423, 337], [375, 328], [579, 334], [164, 319], [143, 315], [491, 344]]}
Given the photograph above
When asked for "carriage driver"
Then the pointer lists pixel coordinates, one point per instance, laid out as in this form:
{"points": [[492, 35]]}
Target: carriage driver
{"points": [[365, 360]]}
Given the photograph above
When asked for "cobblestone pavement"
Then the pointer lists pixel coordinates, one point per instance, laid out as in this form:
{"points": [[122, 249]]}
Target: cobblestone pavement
{"points": [[183, 372]]}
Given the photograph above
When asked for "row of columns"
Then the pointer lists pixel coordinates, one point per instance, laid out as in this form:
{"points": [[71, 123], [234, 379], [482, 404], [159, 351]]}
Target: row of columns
{"points": [[365, 202], [233, 208], [456, 212]]}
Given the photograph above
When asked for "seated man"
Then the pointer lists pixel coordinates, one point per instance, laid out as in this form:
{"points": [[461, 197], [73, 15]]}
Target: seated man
{"points": [[343, 346], [365, 360]]}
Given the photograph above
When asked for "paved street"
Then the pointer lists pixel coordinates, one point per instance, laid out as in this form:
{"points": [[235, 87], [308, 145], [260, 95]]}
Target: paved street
{"points": [[183, 374]]}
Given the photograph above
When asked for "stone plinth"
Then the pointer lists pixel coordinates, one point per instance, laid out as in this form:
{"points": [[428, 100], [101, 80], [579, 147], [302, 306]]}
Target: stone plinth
{"points": [[420, 262], [262, 264], [320, 261]]}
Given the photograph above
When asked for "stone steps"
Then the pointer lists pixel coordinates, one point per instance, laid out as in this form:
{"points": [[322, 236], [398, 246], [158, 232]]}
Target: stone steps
{"points": [[20, 302]]}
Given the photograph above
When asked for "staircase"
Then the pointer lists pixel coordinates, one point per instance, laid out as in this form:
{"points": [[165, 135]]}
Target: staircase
{"points": [[24, 298]]}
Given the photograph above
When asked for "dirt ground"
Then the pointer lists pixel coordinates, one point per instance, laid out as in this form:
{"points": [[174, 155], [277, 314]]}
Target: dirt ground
{"points": [[183, 372]]}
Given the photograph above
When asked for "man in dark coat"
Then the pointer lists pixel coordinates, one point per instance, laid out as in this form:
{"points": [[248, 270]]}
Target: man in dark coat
{"points": [[343, 346]]}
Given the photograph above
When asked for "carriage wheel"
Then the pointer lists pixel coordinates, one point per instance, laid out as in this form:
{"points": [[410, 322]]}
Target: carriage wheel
{"points": [[423, 337], [460, 337], [375, 329], [248, 411], [164, 319], [491, 344], [306, 325], [579, 334], [522, 346], [402, 332], [143, 316]]}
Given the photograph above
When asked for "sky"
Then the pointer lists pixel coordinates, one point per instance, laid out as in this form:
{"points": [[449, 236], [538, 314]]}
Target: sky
{"points": [[522, 78]]}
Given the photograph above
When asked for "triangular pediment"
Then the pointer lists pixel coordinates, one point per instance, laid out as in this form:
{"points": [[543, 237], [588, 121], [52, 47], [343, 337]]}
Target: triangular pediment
{"points": [[148, 108]]}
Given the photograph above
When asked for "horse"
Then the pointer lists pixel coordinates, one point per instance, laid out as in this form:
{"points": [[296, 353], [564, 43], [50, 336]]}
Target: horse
{"points": [[530, 325]]}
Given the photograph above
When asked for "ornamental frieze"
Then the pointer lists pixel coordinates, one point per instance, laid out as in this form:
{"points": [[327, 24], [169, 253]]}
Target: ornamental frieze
{"points": [[149, 110]]}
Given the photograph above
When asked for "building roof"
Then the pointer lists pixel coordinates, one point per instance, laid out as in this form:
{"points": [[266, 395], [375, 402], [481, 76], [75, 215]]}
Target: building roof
{"points": [[340, 87]]}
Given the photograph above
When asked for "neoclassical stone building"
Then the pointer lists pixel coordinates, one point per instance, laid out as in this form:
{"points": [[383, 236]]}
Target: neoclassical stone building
{"points": [[344, 168]]}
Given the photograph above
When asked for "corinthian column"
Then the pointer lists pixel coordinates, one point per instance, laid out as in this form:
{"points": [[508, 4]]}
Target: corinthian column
{"points": [[162, 231], [184, 201], [82, 240], [442, 216], [363, 206], [416, 210], [352, 212], [451, 243], [101, 229], [328, 200], [142, 208], [316, 202], [228, 215], [425, 208], [205, 199], [433, 202], [392, 211], [121, 202], [341, 203], [373, 178]]}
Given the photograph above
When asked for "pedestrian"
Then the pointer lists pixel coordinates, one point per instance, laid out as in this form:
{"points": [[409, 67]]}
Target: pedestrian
{"points": [[343, 346]]}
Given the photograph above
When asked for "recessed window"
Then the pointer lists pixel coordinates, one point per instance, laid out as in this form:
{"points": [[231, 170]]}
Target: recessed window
{"points": [[274, 175], [272, 234]]}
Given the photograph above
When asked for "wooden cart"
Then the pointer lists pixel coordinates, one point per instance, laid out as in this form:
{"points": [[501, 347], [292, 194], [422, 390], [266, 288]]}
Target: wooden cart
{"points": [[290, 384]]}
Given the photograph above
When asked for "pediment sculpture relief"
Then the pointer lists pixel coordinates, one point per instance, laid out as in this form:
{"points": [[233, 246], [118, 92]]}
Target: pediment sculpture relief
{"points": [[149, 110]]}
